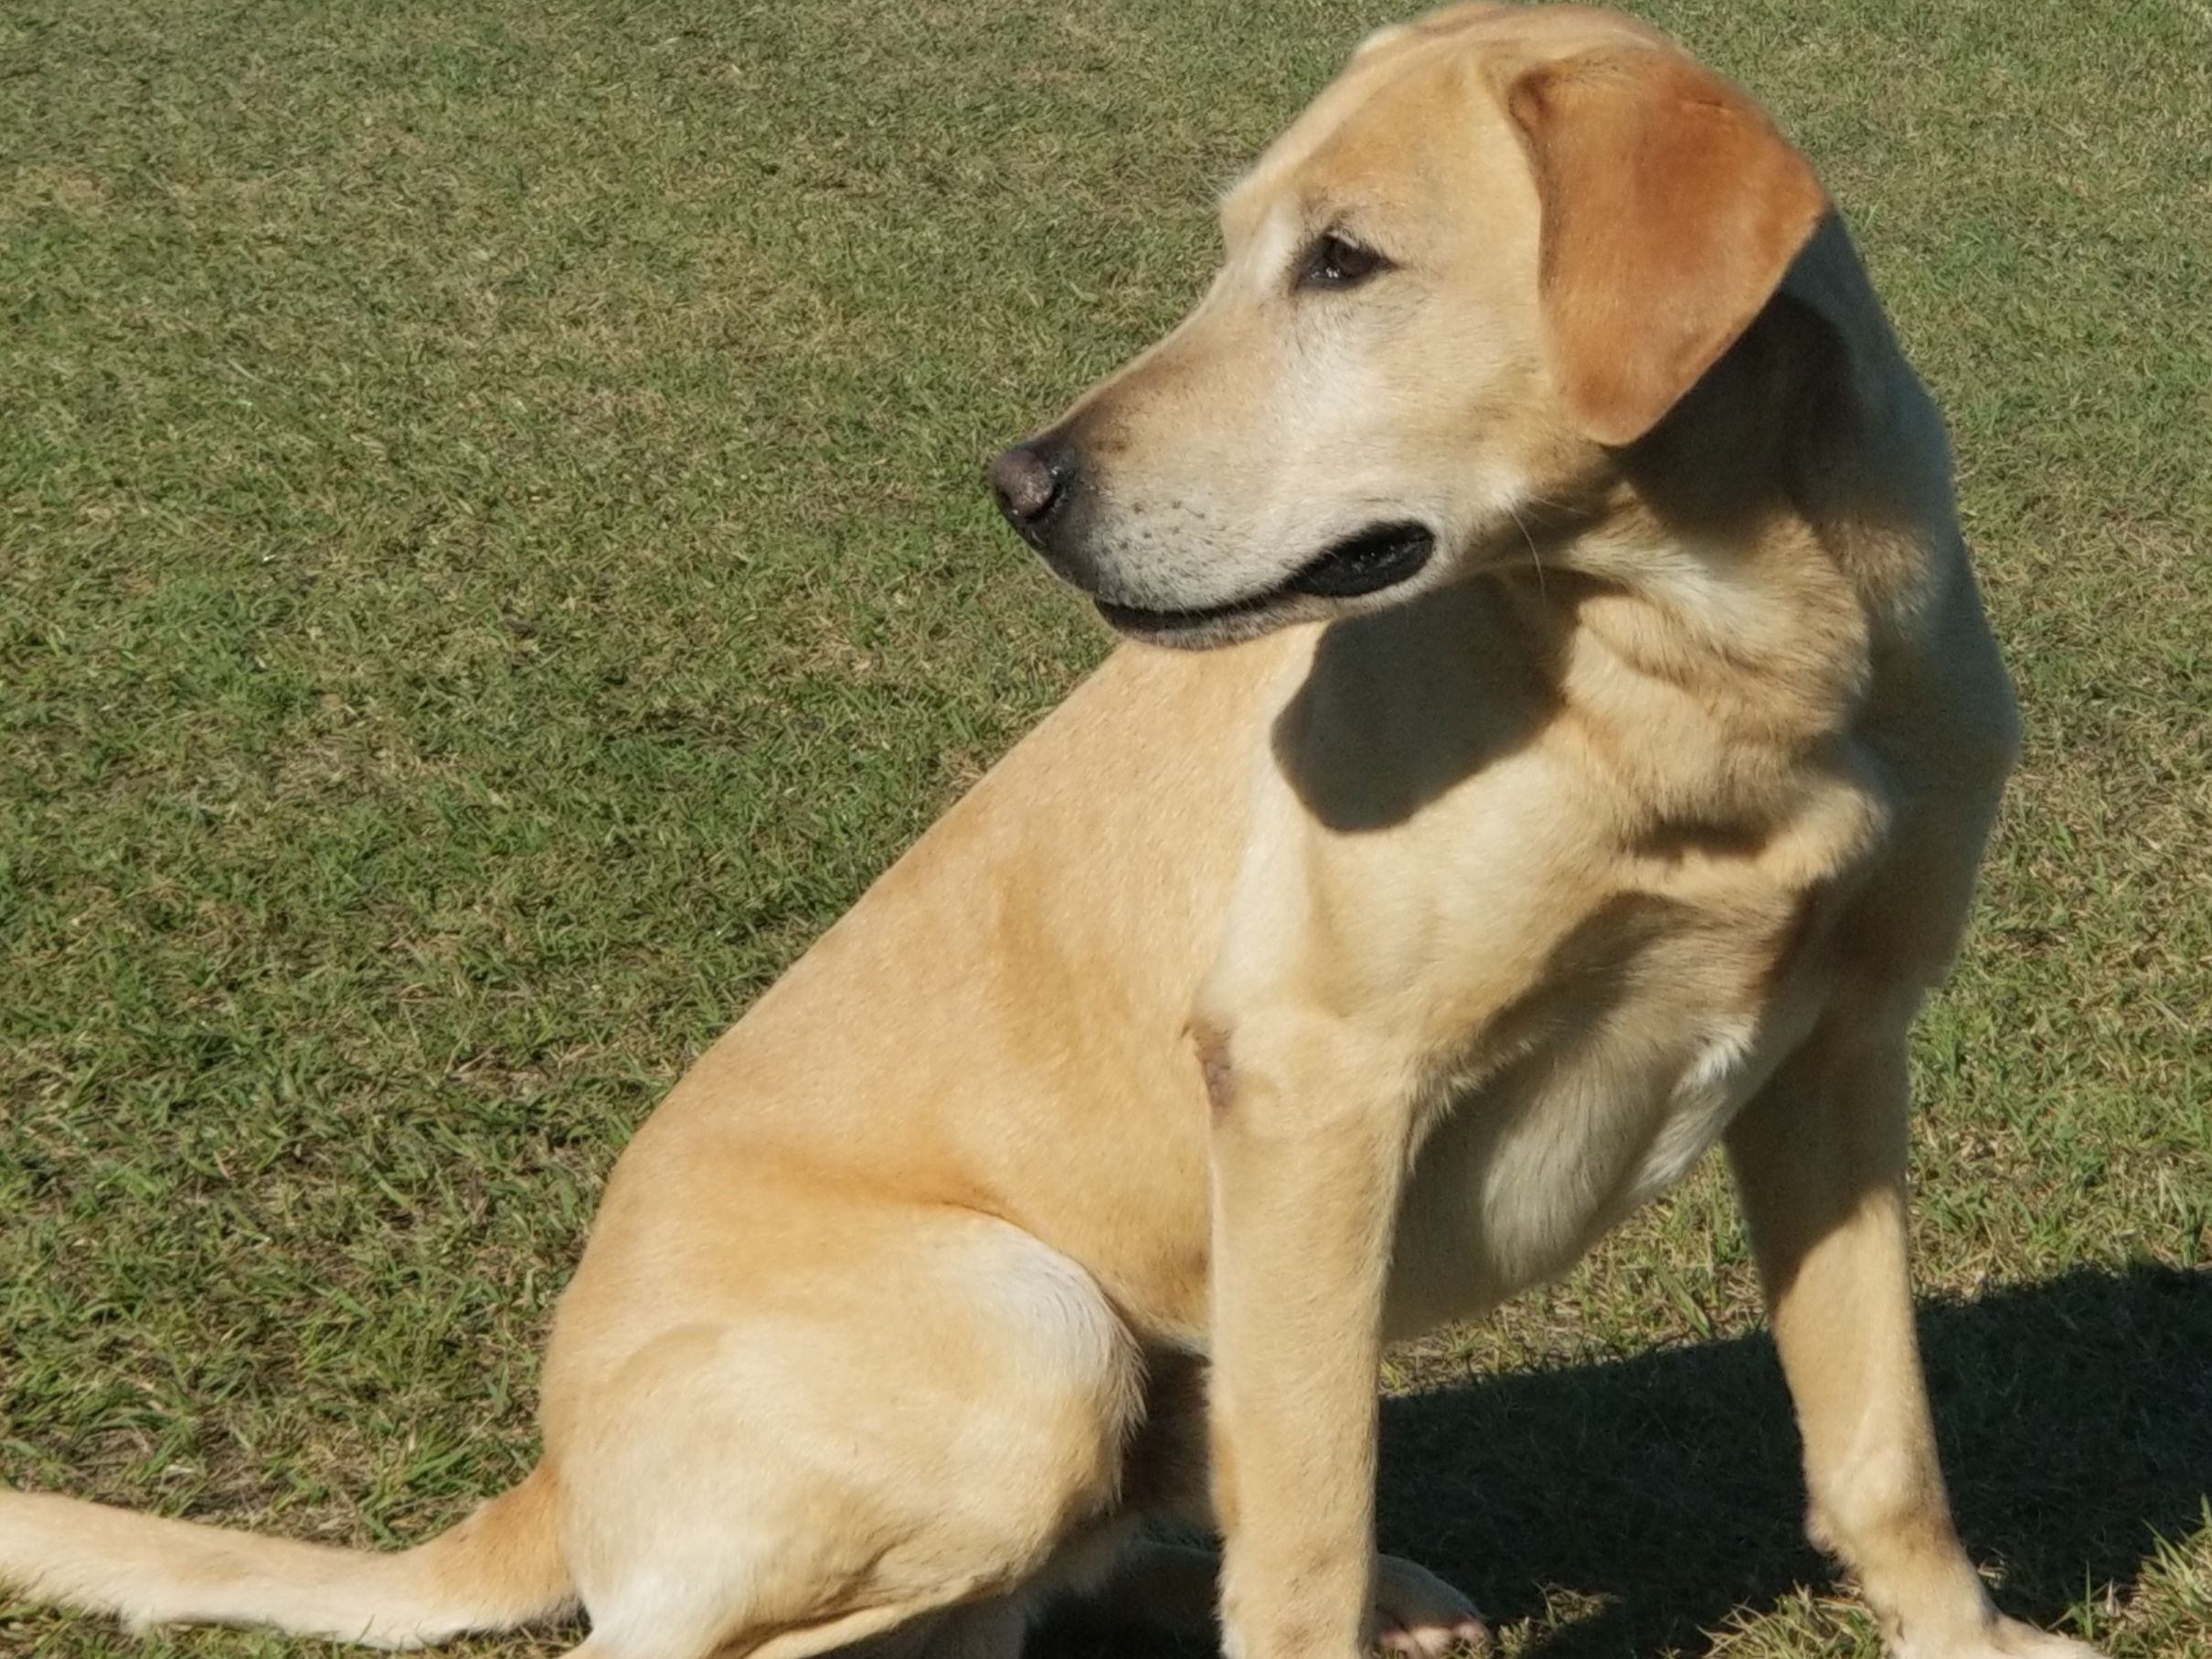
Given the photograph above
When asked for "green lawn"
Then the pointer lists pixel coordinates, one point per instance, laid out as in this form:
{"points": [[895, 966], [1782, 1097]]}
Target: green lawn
{"points": [[493, 559]]}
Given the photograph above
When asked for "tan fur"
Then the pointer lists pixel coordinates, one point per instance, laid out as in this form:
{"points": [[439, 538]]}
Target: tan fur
{"points": [[1274, 1001]]}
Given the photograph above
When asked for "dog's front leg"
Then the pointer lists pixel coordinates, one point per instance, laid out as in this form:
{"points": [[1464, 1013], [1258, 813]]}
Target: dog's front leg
{"points": [[1308, 1158], [1820, 1165]]}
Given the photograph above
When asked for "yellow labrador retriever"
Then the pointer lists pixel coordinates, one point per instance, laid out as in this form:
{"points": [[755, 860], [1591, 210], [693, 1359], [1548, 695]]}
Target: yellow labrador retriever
{"points": [[1590, 755]]}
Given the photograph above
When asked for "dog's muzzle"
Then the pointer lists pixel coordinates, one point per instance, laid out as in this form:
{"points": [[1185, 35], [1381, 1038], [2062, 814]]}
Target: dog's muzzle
{"points": [[1038, 486]]}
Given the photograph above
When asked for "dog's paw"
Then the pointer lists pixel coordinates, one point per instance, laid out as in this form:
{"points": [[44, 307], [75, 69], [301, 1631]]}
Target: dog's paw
{"points": [[1420, 1616], [2000, 1638], [2012, 1640]]}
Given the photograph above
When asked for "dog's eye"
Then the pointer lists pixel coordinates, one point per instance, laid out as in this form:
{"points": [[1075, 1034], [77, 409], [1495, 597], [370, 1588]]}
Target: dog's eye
{"points": [[1333, 263]]}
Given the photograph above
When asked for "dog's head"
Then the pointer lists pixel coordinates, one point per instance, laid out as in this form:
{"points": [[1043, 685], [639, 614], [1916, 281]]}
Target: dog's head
{"points": [[1500, 244]]}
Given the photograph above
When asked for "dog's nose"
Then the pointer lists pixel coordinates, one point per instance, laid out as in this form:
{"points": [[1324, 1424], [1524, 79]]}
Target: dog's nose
{"points": [[1023, 480], [1030, 480]]}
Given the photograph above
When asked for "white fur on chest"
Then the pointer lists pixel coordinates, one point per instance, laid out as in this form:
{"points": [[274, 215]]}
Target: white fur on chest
{"points": [[1529, 1168], [1708, 1095]]}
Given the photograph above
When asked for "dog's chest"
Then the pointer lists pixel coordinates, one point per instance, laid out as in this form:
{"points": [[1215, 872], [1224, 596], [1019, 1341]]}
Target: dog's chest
{"points": [[1597, 1089], [1576, 983]]}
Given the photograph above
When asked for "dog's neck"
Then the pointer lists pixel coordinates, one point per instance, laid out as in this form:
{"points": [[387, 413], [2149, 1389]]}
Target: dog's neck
{"points": [[1718, 605]]}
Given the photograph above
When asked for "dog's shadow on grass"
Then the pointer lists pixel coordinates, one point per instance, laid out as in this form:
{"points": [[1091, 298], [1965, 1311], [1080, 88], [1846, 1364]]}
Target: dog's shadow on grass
{"points": [[1650, 1499]]}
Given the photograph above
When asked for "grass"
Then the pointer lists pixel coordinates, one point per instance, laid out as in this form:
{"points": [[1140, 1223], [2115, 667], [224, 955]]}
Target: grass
{"points": [[492, 560]]}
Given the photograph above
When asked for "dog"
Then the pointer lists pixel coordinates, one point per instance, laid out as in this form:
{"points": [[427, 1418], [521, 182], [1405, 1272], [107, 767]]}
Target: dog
{"points": [[1561, 736]]}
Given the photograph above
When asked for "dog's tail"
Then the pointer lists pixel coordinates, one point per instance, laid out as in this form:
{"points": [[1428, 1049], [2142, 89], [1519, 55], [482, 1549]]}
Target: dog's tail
{"points": [[500, 1568]]}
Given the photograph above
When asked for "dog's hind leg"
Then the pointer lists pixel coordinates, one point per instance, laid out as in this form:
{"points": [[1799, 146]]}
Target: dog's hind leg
{"points": [[1820, 1166], [794, 1466]]}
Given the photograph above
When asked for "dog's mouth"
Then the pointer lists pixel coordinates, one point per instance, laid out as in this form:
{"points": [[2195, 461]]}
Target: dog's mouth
{"points": [[1371, 561]]}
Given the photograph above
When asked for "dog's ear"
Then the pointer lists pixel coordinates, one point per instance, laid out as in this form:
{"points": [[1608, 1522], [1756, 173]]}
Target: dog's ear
{"points": [[1672, 207]]}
